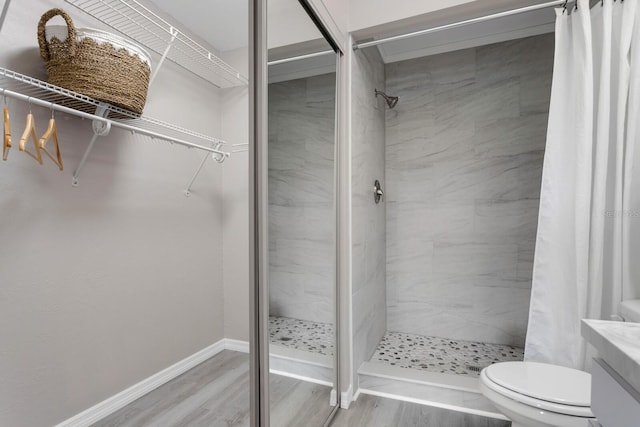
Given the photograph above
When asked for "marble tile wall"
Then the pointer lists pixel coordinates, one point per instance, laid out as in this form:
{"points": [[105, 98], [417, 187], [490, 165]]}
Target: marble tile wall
{"points": [[464, 151], [368, 218], [301, 218]]}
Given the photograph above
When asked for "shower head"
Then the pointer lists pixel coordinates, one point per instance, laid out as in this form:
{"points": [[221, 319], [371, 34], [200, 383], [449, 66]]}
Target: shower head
{"points": [[391, 100]]}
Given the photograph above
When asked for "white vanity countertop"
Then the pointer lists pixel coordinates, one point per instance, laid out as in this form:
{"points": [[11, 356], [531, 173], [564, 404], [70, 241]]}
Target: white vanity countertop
{"points": [[618, 343]]}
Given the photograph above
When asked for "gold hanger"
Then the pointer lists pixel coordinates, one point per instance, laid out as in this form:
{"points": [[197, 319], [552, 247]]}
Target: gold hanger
{"points": [[51, 133], [6, 143], [30, 130]]}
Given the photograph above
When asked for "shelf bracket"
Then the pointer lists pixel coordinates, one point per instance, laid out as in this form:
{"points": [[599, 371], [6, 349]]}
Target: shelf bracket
{"points": [[174, 33], [217, 157], [100, 128]]}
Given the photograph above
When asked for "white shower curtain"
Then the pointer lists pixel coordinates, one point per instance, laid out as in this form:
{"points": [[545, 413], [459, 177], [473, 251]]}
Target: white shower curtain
{"points": [[589, 220]]}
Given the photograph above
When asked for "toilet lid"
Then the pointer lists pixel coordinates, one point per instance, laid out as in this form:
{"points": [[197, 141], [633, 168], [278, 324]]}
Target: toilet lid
{"points": [[542, 381]]}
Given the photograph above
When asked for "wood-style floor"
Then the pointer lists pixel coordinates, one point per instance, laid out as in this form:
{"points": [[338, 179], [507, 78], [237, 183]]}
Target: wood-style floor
{"points": [[216, 393]]}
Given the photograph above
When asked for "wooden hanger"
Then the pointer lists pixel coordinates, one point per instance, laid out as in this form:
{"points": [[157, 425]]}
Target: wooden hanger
{"points": [[6, 143], [51, 133], [30, 130]]}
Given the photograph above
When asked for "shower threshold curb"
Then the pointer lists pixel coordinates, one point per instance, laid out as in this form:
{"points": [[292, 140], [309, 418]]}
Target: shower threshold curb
{"points": [[300, 364], [446, 391]]}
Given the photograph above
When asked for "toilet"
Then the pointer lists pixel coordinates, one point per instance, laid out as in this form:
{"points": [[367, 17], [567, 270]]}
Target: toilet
{"points": [[535, 394]]}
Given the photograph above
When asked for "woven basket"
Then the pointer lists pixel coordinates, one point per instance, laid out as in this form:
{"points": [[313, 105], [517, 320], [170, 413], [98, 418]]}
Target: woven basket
{"points": [[98, 70]]}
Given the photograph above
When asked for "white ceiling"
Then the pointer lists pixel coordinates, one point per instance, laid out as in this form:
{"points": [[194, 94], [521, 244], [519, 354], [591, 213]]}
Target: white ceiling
{"points": [[221, 23]]}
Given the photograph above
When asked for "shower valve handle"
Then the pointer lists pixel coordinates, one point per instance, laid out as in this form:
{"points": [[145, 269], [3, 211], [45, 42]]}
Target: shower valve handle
{"points": [[377, 192]]}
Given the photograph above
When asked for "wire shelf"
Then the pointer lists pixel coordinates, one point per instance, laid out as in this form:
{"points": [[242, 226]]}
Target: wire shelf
{"points": [[136, 21], [41, 93]]}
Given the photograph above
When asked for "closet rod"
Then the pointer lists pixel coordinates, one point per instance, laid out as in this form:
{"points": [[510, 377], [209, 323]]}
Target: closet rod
{"points": [[133, 129], [296, 58], [362, 45]]}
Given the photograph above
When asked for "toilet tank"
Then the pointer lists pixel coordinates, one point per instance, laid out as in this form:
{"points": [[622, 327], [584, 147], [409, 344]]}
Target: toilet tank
{"points": [[630, 310]]}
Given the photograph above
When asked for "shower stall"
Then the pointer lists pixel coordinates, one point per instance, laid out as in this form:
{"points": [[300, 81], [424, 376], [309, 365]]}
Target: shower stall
{"points": [[301, 212], [442, 267]]}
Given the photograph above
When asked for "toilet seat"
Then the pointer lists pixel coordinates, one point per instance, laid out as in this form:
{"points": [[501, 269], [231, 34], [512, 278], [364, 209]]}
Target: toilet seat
{"points": [[547, 387]]}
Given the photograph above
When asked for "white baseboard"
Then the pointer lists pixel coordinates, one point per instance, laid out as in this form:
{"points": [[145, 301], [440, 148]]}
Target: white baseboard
{"points": [[122, 399], [236, 345], [346, 397]]}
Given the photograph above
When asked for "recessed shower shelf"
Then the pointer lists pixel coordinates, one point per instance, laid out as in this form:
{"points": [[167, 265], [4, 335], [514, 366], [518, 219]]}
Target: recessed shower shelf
{"points": [[104, 116], [137, 21]]}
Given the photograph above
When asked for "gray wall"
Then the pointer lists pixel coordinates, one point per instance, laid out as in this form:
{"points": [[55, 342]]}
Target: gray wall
{"points": [[105, 284], [368, 219], [464, 150], [301, 181], [235, 206]]}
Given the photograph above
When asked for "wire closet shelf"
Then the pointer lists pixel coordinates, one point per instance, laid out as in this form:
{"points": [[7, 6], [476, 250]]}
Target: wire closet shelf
{"points": [[138, 22], [38, 92]]}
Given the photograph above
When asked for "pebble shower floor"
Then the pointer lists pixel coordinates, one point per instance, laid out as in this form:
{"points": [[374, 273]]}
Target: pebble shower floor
{"points": [[442, 355], [398, 349], [313, 337]]}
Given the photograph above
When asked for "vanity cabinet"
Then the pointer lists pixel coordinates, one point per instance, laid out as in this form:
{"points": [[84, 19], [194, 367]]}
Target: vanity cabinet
{"points": [[615, 374], [613, 401]]}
